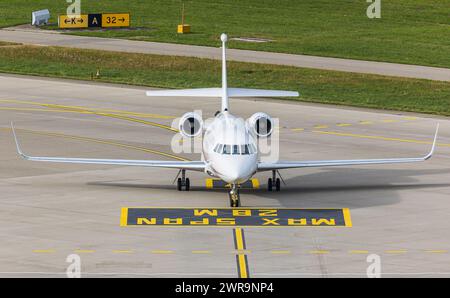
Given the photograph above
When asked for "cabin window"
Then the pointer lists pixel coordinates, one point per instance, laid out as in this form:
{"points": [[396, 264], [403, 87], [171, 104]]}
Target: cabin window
{"points": [[235, 149]]}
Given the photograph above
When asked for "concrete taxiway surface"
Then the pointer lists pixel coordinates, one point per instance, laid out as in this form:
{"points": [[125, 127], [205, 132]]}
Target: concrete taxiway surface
{"points": [[53, 38], [49, 211]]}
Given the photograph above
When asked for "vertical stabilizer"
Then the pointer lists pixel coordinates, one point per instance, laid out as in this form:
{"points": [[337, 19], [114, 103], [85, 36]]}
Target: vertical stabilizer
{"points": [[224, 38]]}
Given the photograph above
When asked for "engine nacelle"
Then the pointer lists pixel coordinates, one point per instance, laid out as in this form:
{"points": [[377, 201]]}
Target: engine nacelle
{"points": [[261, 124], [190, 125]]}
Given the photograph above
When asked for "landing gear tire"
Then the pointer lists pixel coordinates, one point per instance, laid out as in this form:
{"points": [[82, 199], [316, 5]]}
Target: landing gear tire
{"points": [[179, 185], [187, 185], [183, 182], [269, 184], [277, 184]]}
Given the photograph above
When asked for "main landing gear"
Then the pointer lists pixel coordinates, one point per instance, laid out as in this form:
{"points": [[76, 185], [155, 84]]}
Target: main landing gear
{"points": [[183, 183], [235, 200], [274, 182]]}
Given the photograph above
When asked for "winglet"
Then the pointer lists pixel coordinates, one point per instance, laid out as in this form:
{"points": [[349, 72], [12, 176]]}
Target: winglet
{"points": [[17, 142], [434, 144]]}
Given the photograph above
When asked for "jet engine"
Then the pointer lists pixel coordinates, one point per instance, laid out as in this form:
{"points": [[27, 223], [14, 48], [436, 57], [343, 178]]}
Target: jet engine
{"points": [[261, 124], [190, 125]]}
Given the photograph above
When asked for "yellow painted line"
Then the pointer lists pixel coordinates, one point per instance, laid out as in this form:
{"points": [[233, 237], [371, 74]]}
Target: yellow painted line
{"points": [[400, 251], [242, 260], [365, 122], [239, 239], [124, 217], [255, 183], [320, 126], [410, 118], [358, 252], [201, 252], [103, 142], [122, 251], [99, 113], [297, 129], [162, 251], [389, 121], [42, 110], [378, 138], [44, 251], [347, 217], [343, 124], [319, 252], [82, 109], [437, 251], [280, 251], [137, 121], [84, 251], [209, 183]]}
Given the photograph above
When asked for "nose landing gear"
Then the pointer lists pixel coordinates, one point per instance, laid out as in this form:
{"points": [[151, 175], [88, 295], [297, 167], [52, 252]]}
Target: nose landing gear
{"points": [[235, 200], [183, 182], [274, 182]]}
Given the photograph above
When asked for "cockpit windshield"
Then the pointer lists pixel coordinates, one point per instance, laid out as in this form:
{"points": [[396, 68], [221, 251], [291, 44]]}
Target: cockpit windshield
{"points": [[245, 149]]}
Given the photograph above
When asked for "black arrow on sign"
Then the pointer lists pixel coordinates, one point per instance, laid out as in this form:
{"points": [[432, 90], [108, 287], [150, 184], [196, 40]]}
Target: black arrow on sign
{"points": [[122, 20]]}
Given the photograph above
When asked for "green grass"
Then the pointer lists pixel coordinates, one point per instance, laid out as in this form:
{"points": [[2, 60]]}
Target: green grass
{"points": [[181, 72], [409, 31]]}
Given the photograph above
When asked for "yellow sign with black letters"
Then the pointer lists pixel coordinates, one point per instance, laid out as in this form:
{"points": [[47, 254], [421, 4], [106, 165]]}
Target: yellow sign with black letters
{"points": [[115, 20], [226, 217], [73, 21]]}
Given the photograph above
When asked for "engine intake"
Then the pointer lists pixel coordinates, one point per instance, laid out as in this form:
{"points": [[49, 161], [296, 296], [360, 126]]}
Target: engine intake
{"points": [[190, 125], [261, 124]]}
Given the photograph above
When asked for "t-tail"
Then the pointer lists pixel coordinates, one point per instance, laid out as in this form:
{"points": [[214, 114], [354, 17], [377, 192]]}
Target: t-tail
{"points": [[223, 92]]}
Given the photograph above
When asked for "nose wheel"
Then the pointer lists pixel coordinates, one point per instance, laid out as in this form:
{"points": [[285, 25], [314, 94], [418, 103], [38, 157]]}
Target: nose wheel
{"points": [[274, 182], [183, 183], [235, 200]]}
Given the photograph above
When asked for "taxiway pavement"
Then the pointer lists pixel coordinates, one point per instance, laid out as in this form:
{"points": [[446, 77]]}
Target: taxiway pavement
{"points": [[48, 211]]}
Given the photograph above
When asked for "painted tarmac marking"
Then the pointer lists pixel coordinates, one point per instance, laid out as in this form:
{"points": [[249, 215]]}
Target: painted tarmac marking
{"points": [[97, 112], [122, 251], [241, 259], [437, 251], [241, 217], [358, 252], [280, 252], [201, 252], [85, 110], [44, 251], [100, 141], [166, 252], [211, 183], [84, 251], [398, 251], [319, 252]]}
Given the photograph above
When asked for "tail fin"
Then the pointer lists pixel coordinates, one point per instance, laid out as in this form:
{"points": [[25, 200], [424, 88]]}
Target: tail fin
{"points": [[223, 92], [224, 39]]}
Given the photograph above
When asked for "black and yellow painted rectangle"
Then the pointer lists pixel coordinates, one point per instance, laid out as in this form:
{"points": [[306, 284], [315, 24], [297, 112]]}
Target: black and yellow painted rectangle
{"points": [[235, 217], [241, 259], [217, 183]]}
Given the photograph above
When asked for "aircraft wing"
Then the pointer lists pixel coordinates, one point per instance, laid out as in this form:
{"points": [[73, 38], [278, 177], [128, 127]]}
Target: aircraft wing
{"points": [[262, 166], [186, 165]]}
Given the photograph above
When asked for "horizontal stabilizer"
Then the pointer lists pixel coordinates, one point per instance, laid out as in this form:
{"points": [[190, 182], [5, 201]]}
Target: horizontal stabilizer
{"points": [[218, 92]]}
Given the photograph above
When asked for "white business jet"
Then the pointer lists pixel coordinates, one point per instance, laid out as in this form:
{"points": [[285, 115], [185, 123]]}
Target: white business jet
{"points": [[229, 149]]}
